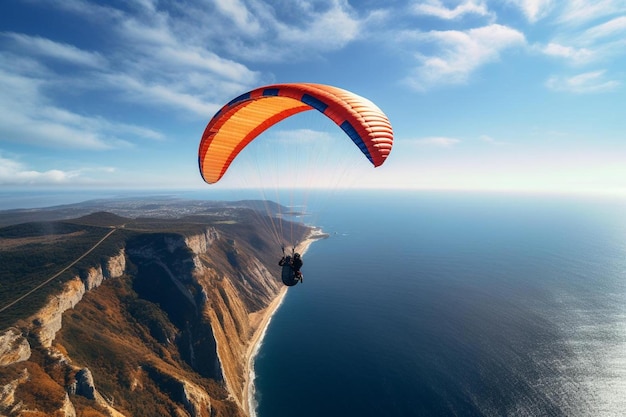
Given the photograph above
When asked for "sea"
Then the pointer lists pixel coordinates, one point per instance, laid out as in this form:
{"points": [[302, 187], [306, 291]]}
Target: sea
{"points": [[452, 304]]}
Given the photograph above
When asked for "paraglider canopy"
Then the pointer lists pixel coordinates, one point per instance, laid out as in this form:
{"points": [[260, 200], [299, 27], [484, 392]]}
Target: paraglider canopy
{"points": [[244, 118]]}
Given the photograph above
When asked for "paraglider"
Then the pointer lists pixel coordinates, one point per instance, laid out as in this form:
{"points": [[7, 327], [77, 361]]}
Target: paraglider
{"points": [[291, 274], [247, 116], [244, 118]]}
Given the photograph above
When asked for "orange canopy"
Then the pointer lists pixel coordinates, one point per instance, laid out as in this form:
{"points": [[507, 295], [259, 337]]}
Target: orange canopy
{"points": [[247, 116]]}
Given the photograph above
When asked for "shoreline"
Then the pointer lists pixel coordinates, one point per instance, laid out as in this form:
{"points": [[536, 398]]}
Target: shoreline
{"points": [[248, 404]]}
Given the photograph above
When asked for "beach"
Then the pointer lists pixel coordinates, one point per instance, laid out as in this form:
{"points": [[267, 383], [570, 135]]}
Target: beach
{"points": [[264, 317]]}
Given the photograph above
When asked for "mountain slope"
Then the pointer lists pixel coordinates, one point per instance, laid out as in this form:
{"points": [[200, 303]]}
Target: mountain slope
{"points": [[158, 323]]}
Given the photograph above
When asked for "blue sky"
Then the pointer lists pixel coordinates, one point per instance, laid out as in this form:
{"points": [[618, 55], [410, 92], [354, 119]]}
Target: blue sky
{"points": [[508, 95]]}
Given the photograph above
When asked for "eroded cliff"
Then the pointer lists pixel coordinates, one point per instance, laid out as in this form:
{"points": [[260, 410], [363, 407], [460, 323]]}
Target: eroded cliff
{"points": [[161, 328]]}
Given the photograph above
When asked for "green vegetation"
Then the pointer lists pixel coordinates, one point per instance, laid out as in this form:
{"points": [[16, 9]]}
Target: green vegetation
{"points": [[39, 229], [46, 393], [32, 253], [153, 318]]}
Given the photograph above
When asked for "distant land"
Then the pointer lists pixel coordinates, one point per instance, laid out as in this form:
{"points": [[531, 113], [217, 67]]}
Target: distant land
{"points": [[134, 307], [132, 207]]}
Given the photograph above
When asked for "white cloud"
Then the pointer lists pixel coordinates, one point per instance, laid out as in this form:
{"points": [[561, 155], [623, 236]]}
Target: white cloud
{"points": [[13, 172], [139, 91], [28, 117], [534, 10], [98, 124], [60, 51], [144, 34], [248, 29], [92, 11], [461, 53], [605, 41], [181, 58], [201, 59], [299, 30], [438, 9], [436, 141], [594, 37], [588, 82], [165, 47], [613, 28], [579, 12], [575, 55], [329, 30], [154, 48], [239, 14]]}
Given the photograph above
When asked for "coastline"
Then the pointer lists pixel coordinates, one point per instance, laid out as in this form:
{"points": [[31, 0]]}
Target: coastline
{"points": [[249, 406]]}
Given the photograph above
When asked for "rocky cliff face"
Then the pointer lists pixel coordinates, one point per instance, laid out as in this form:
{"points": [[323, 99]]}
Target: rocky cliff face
{"points": [[48, 321], [13, 347], [161, 328]]}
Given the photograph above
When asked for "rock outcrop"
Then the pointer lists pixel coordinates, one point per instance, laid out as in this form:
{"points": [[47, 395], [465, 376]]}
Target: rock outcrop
{"points": [[13, 347], [68, 409], [85, 385], [202, 242], [48, 321], [196, 400], [7, 392]]}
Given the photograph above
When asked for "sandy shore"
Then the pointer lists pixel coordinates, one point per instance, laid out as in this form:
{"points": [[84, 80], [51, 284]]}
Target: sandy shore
{"points": [[257, 338]]}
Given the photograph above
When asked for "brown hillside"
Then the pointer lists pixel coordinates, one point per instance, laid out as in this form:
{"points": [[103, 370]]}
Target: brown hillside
{"points": [[160, 324]]}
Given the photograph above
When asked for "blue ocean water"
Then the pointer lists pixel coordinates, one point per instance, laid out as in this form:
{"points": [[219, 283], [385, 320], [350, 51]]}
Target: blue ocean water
{"points": [[435, 304]]}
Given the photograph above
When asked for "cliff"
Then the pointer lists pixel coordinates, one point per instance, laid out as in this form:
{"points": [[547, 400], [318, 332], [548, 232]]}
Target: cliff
{"points": [[162, 327], [47, 321]]}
